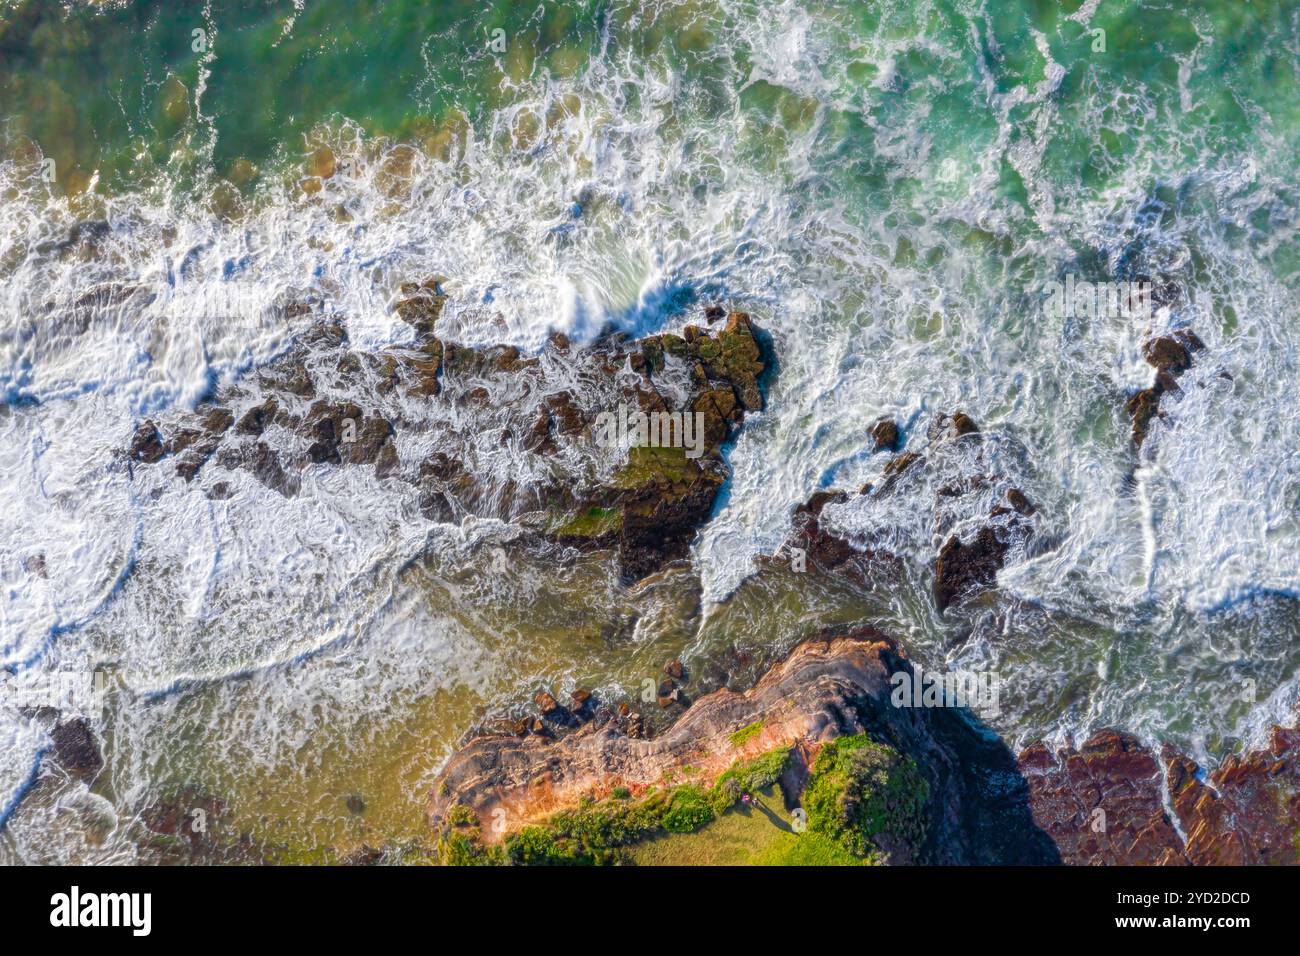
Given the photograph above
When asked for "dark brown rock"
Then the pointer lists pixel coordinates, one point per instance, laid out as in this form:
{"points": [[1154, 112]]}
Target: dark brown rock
{"points": [[885, 434], [1142, 407], [1020, 502], [254, 421], [146, 444], [423, 305], [965, 569], [76, 748]]}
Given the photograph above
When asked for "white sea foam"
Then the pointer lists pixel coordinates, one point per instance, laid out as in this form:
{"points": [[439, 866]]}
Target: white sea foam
{"points": [[923, 300]]}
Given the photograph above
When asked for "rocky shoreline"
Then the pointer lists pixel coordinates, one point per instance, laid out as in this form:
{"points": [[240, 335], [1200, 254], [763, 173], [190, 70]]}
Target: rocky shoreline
{"points": [[488, 433], [1109, 801]]}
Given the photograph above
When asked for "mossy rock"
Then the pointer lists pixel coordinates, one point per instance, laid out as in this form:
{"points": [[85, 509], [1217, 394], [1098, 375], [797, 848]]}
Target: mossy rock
{"points": [[592, 523], [869, 798], [656, 467]]}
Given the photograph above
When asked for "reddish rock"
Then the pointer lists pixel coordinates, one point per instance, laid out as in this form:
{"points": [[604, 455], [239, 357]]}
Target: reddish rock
{"points": [[1101, 804], [829, 686], [899, 464], [1248, 812]]}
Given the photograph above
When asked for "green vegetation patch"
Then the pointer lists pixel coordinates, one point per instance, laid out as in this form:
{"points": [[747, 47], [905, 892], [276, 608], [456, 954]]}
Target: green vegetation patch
{"points": [[869, 798], [592, 523], [649, 465], [597, 832], [760, 833], [745, 734]]}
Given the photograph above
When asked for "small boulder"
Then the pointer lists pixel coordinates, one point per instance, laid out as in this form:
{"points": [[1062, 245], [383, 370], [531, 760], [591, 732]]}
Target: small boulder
{"points": [[146, 444], [886, 435], [76, 749]]}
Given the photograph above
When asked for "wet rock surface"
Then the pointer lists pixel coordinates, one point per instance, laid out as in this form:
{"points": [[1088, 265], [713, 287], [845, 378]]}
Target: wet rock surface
{"points": [[1170, 355], [1105, 803], [1101, 804], [978, 512], [618, 445], [1247, 810], [76, 748]]}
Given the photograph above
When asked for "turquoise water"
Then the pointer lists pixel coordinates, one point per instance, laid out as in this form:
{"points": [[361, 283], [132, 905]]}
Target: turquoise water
{"points": [[888, 188]]}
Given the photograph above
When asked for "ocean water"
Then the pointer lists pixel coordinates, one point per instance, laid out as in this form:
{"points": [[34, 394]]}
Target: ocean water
{"points": [[888, 188]]}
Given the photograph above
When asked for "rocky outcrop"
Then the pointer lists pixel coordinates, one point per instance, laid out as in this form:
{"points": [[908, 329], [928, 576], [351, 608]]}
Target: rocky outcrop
{"points": [[1101, 804], [977, 506], [1170, 355], [828, 688], [617, 445], [1110, 801], [1246, 811]]}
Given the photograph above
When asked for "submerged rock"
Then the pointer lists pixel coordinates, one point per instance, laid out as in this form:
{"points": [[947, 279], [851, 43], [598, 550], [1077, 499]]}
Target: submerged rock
{"points": [[76, 748], [978, 508], [1171, 356]]}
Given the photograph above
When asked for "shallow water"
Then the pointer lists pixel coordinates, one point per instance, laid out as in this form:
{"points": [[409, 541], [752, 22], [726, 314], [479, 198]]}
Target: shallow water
{"points": [[888, 189]]}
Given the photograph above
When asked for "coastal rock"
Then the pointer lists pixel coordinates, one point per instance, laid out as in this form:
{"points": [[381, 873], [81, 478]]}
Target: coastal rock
{"points": [[1171, 356], [1101, 804], [643, 495], [829, 687], [1247, 811], [76, 748], [146, 444], [979, 509], [963, 569], [885, 434]]}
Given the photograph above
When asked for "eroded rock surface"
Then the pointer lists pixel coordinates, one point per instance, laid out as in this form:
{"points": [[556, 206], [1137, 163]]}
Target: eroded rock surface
{"points": [[1101, 804], [1105, 803]]}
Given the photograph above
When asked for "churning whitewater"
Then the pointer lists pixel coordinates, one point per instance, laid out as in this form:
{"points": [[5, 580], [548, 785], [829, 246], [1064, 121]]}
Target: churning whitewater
{"points": [[891, 196]]}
